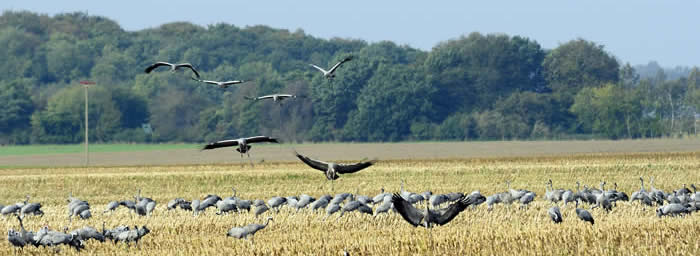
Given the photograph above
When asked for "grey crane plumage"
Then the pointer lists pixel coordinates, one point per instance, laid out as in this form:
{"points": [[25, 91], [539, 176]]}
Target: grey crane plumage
{"points": [[111, 206], [86, 233], [437, 199], [15, 238], [454, 196], [672, 210], [379, 198], [515, 194], [247, 231], [276, 202], [77, 207], [242, 144], [221, 84], [476, 197], [495, 199], [331, 209], [208, 201], [181, 203], [602, 199], [112, 234], [11, 209], [145, 206], [656, 195], [321, 203], [225, 206], [584, 215], [354, 205], [132, 235], [292, 201], [568, 197], [27, 236], [642, 195], [363, 199], [555, 214], [260, 208], [339, 198], [195, 207], [304, 201], [330, 169], [384, 207], [173, 67], [52, 238], [526, 199], [428, 217], [33, 209], [551, 194], [240, 203], [695, 196], [131, 205], [330, 73]]}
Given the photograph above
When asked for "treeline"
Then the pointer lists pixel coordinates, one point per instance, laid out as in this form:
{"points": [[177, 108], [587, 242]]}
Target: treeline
{"points": [[476, 87]]}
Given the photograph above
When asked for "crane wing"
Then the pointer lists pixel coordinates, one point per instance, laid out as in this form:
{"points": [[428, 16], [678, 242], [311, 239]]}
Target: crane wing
{"points": [[339, 63], [258, 139], [155, 65], [316, 164], [445, 215], [407, 211], [205, 81], [233, 82], [319, 68], [265, 97], [350, 168], [221, 144], [188, 65]]}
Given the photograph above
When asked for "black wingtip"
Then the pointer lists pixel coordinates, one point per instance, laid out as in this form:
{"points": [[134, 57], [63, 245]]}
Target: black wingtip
{"points": [[208, 146]]}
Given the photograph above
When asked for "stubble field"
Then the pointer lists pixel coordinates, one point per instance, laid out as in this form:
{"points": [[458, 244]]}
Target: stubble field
{"points": [[629, 229]]}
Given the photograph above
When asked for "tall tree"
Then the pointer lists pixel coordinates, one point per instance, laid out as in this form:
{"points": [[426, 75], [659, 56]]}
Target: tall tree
{"points": [[15, 114]]}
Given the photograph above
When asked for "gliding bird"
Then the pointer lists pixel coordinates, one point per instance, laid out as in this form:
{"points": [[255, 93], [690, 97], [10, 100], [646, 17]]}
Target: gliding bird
{"points": [[173, 67], [241, 143], [330, 74], [221, 84], [275, 97]]}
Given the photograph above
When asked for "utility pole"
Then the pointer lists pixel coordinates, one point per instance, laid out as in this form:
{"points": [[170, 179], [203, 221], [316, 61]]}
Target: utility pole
{"points": [[86, 84]]}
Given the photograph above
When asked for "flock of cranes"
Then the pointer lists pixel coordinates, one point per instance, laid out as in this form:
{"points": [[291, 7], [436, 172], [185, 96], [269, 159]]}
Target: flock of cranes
{"points": [[243, 145], [425, 209]]}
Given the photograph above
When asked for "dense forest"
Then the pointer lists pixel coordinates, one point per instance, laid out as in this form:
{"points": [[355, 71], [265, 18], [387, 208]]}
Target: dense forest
{"points": [[474, 87]]}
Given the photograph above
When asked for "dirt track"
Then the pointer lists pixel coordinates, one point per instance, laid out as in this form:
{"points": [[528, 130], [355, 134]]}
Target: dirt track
{"points": [[425, 150]]}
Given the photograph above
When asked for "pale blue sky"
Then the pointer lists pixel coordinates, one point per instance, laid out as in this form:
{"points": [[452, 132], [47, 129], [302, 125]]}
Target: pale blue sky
{"points": [[634, 31]]}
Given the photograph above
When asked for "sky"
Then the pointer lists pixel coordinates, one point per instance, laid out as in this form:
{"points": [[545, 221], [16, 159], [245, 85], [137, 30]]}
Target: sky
{"points": [[634, 31]]}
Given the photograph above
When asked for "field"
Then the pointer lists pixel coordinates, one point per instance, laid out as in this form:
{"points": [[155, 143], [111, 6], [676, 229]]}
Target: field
{"points": [[628, 230], [178, 154]]}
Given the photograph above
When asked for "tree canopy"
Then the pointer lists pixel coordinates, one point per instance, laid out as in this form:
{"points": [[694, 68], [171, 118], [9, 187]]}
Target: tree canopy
{"points": [[474, 87]]}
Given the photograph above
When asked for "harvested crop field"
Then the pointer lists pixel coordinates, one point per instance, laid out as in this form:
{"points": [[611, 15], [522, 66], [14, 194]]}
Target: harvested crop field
{"points": [[629, 229]]}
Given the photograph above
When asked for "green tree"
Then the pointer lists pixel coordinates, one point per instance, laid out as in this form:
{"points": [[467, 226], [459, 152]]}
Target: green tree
{"points": [[394, 98], [577, 64], [15, 115], [473, 72], [609, 110]]}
